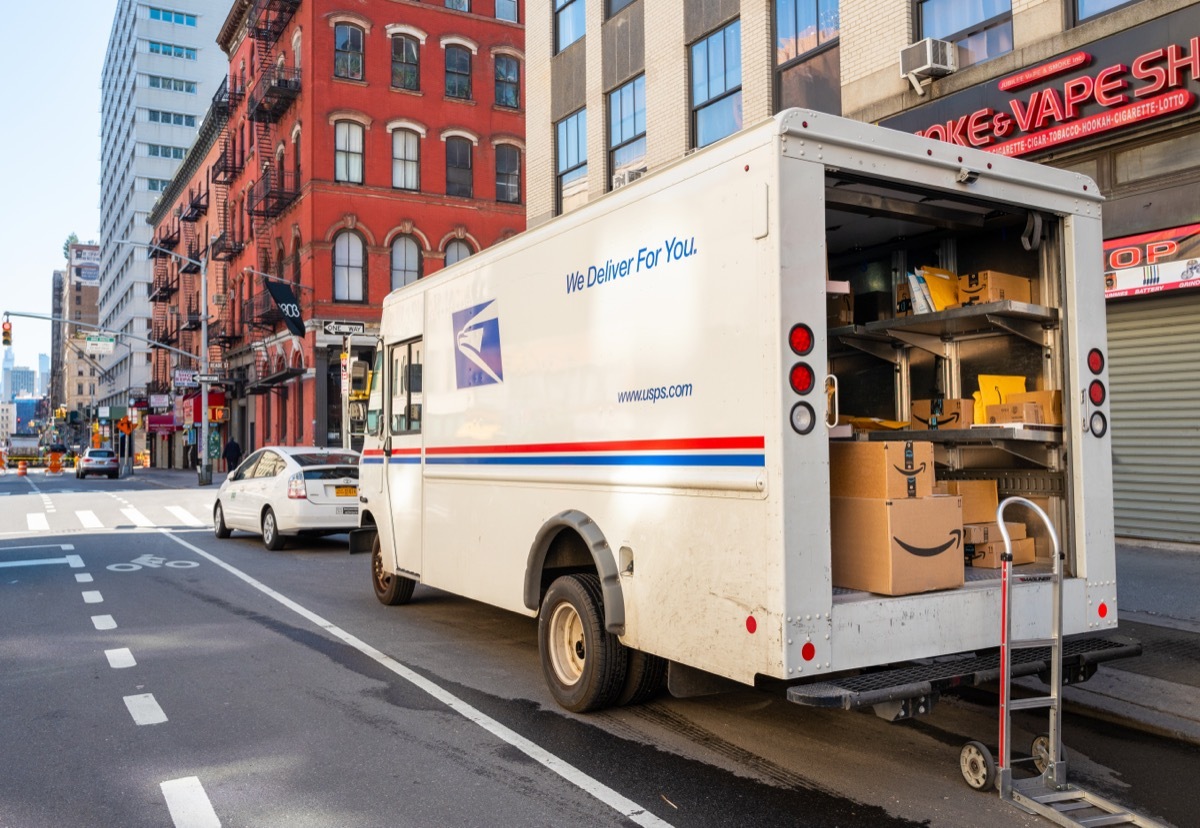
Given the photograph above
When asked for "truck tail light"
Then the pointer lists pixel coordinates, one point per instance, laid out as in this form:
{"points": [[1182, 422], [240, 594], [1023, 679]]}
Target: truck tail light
{"points": [[803, 418], [296, 489], [1096, 392], [802, 378], [800, 338], [1095, 361], [1098, 424]]}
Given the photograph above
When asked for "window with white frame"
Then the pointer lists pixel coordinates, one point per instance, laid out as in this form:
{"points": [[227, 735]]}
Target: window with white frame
{"points": [[458, 167], [406, 261], [406, 63], [348, 51], [569, 23], [348, 152], [508, 81], [571, 158], [982, 29], [349, 267], [406, 160], [458, 72], [508, 174], [717, 85]]}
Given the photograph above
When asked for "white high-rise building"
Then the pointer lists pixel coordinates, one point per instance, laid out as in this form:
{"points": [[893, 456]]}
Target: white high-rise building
{"points": [[160, 72]]}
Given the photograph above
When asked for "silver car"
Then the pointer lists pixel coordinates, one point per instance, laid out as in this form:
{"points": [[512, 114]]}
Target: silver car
{"points": [[284, 491], [97, 461]]}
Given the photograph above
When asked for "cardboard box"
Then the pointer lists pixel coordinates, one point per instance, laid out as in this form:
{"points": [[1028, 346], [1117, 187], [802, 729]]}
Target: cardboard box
{"points": [[897, 547], [990, 532], [904, 304], [987, 555], [941, 414], [1050, 401], [839, 309], [890, 469], [980, 499], [993, 286], [1028, 413]]}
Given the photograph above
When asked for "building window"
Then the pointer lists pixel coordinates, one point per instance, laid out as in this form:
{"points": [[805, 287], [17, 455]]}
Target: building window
{"points": [[172, 50], [459, 5], [571, 165], [568, 22], [456, 251], [157, 116], [167, 16], [406, 160], [406, 261], [982, 29], [172, 84], [508, 174], [348, 52], [458, 168], [615, 6], [406, 65], [717, 85], [508, 81], [349, 267], [506, 10], [458, 72], [1086, 9], [348, 152], [804, 25], [627, 127]]}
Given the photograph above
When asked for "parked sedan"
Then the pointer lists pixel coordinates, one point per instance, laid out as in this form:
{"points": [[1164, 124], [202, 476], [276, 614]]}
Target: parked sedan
{"points": [[97, 461], [283, 491]]}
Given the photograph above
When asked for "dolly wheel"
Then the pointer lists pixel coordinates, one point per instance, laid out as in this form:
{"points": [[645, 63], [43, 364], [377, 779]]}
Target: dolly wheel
{"points": [[978, 767], [1040, 750]]}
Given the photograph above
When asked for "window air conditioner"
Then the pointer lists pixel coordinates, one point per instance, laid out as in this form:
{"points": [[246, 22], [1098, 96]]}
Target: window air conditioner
{"points": [[928, 58], [219, 299], [627, 177]]}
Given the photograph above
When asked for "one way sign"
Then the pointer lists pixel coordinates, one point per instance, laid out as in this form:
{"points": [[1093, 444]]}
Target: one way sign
{"points": [[345, 328]]}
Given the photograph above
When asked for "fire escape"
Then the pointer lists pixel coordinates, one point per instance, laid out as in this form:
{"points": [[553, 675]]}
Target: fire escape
{"points": [[225, 331], [272, 94], [164, 325]]}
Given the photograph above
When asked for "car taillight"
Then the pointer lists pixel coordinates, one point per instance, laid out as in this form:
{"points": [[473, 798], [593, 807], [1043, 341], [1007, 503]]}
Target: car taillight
{"points": [[296, 488]]}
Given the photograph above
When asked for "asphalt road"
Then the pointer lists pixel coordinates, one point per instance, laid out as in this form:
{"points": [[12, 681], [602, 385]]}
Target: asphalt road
{"points": [[154, 675]]}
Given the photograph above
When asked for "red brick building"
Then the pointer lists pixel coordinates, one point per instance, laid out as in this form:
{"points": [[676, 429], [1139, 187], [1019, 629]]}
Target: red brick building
{"points": [[357, 146]]}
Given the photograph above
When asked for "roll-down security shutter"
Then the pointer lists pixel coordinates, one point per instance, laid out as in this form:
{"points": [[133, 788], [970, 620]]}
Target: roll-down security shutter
{"points": [[1154, 371]]}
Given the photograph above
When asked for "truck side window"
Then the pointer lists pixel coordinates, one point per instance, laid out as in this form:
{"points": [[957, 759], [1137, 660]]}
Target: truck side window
{"points": [[375, 398], [405, 382]]}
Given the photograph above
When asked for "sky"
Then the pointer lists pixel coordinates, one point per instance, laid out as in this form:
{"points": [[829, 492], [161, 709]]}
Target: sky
{"points": [[49, 155]]}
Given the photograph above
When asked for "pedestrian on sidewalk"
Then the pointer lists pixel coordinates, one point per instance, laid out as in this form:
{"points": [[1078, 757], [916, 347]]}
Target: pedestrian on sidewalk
{"points": [[232, 454]]}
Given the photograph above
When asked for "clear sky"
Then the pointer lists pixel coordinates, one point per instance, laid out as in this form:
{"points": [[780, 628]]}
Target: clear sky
{"points": [[49, 153]]}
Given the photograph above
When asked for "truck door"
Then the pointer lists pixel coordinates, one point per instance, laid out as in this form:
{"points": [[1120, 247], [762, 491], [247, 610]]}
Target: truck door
{"points": [[405, 463]]}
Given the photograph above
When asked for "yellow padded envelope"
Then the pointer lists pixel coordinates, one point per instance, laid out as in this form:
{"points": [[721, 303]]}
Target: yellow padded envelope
{"points": [[994, 390]]}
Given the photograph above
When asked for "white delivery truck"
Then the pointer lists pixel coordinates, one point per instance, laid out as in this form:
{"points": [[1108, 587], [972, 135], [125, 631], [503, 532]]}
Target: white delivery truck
{"points": [[621, 421]]}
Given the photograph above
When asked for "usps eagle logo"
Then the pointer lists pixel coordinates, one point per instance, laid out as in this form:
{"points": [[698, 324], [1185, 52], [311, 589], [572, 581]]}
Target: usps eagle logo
{"points": [[477, 337]]}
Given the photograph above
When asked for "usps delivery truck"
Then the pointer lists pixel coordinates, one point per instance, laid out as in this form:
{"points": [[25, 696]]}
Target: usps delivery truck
{"points": [[621, 421]]}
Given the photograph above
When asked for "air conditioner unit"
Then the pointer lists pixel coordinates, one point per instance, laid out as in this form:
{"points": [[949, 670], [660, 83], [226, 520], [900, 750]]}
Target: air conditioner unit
{"points": [[219, 299], [627, 177], [929, 58]]}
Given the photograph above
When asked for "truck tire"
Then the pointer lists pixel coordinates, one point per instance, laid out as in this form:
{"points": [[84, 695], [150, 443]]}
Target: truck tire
{"points": [[644, 679], [391, 589], [584, 664]]}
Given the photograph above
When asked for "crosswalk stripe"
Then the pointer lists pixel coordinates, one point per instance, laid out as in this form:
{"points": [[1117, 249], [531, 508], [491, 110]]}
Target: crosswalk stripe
{"points": [[136, 517], [37, 522], [89, 520], [185, 517]]}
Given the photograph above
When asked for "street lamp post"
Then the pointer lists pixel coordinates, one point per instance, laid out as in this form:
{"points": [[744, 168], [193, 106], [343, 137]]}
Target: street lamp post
{"points": [[203, 466]]}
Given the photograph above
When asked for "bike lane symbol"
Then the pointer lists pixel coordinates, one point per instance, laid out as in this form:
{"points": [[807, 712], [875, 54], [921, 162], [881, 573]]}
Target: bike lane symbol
{"points": [[151, 561]]}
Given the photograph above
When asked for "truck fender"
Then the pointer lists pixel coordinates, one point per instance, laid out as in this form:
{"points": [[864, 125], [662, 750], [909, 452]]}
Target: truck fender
{"points": [[602, 557]]}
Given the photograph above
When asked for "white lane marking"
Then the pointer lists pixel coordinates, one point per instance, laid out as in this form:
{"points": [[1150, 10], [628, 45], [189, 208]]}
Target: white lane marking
{"points": [[92, 596], [74, 561], [83, 578], [185, 517], [66, 547], [136, 517], [104, 622], [120, 658], [37, 522], [89, 520], [628, 808], [35, 562], [145, 709], [188, 804]]}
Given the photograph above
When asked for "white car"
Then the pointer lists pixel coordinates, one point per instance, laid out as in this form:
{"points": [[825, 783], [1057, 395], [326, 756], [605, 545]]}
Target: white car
{"points": [[283, 491]]}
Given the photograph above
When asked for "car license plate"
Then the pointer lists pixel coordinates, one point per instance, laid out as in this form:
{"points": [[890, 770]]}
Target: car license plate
{"points": [[346, 491]]}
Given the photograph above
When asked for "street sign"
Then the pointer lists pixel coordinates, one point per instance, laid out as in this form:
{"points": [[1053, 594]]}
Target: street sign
{"points": [[345, 328], [208, 377], [185, 378], [100, 344]]}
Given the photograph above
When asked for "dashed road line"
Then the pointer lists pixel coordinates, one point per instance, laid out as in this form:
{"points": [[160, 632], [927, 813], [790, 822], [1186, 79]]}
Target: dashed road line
{"points": [[144, 709], [188, 803], [120, 658], [83, 577], [92, 596], [104, 622]]}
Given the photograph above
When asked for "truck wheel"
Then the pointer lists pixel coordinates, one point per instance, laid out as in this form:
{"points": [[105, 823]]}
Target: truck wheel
{"points": [[270, 531], [644, 679], [391, 589], [219, 527], [584, 664], [977, 765]]}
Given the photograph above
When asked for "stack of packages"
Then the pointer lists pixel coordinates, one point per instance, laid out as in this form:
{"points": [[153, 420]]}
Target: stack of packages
{"points": [[982, 541], [890, 533]]}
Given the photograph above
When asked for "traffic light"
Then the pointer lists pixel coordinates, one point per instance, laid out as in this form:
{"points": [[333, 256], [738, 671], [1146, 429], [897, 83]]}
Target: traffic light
{"points": [[7, 328]]}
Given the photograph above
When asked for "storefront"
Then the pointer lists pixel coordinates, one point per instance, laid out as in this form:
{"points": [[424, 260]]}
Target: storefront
{"points": [[1125, 111]]}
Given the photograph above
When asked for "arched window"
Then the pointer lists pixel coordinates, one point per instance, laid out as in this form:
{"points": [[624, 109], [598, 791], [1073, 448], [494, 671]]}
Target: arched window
{"points": [[348, 51], [456, 251], [349, 267], [458, 72], [406, 160], [406, 261], [406, 63]]}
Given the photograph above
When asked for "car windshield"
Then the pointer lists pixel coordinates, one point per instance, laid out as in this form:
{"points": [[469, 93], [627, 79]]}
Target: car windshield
{"points": [[100, 454], [326, 459], [331, 473]]}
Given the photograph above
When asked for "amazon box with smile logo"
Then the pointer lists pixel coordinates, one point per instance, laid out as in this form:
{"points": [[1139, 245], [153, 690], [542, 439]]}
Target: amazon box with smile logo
{"points": [[896, 468], [897, 546], [942, 414]]}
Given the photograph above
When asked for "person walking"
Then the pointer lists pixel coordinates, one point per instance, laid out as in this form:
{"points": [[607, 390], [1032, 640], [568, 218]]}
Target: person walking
{"points": [[232, 454]]}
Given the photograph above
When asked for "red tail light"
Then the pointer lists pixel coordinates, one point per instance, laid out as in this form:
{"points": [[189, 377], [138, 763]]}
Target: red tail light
{"points": [[800, 338], [802, 378], [1096, 392], [296, 489], [1095, 361]]}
